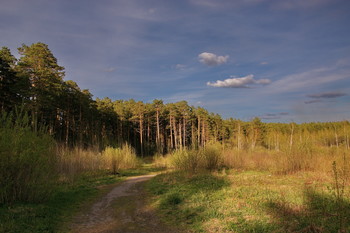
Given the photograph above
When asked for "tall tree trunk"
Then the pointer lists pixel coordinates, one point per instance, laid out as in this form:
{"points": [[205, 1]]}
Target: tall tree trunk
{"points": [[239, 142], [199, 131], [180, 135], [203, 133], [184, 132], [175, 133], [80, 128], [158, 132], [148, 137], [141, 134], [171, 133], [67, 129], [291, 138], [193, 137]]}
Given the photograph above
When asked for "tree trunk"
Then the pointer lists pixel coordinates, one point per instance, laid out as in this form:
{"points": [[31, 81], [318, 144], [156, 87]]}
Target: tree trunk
{"points": [[175, 133], [180, 136], [67, 129], [141, 134], [291, 138], [171, 133], [239, 143], [199, 132], [184, 132], [158, 134]]}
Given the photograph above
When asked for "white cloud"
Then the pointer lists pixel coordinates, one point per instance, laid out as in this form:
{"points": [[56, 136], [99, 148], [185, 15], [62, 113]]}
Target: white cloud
{"points": [[211, 59], [307, 79], [239, 82], [180, 66], [263, 81]]}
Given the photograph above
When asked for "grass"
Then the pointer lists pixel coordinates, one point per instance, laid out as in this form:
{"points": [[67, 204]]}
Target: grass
{"points": [[67, 199], [250, 201], [49, 215]]}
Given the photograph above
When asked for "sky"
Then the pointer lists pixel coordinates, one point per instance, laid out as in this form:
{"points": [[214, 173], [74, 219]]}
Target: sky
{"points": [[280, 60]]}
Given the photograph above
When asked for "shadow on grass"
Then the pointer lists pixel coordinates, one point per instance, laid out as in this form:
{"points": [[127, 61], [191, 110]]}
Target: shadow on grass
{"points": [[175, 190], [321, 212]]}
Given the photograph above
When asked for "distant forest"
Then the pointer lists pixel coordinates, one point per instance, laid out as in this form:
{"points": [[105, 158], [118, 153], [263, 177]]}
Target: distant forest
{"points": [[35, 83]]}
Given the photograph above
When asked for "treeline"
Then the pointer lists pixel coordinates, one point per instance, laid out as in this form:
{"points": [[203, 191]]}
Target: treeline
{"points": [[74, 118]]}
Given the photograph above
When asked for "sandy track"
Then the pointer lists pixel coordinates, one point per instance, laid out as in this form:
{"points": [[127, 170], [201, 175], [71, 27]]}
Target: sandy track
{"points": [[123, 209]]}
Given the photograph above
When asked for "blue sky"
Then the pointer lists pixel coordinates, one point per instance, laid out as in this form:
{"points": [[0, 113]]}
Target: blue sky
{"points": [[280, 60]]}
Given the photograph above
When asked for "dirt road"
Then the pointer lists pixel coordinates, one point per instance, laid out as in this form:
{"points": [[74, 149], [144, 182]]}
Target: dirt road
{"points": [[123, 209]]}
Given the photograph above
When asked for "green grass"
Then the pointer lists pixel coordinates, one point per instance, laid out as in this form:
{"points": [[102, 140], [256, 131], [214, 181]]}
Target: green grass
{"points": [[53, 214], [249, 201], [49, 215]]}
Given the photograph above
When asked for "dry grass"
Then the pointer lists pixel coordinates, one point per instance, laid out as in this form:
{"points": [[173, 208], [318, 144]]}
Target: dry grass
{"points": [[73, 162], [115, 159], [280, 162]]}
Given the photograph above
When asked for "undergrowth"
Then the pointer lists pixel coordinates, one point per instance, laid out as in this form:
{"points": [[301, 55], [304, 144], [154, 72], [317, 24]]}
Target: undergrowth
{"points": [[27, 162]]}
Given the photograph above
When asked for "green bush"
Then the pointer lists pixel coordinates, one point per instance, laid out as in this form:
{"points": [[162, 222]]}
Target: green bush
{"points": [[28, 165]]}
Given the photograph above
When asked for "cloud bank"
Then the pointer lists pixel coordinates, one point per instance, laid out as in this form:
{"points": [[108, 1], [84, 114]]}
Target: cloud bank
{"points": [[210, 59], [243, 82]]}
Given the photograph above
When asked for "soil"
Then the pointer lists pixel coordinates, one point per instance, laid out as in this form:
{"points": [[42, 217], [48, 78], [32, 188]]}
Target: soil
{"points": [[123, 209]]}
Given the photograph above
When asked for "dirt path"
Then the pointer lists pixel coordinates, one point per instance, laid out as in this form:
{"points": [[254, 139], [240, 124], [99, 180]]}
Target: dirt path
{"points": [[123, 209]]}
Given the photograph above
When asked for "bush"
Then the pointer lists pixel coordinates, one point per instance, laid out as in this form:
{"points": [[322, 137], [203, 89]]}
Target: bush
{"points": [[212, 155], [28, 165], [120, 158], [187, 160], [209, 158], [160, 161]]}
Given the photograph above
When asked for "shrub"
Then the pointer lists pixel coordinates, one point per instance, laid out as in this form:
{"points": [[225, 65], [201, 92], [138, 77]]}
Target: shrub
{"points": [[212, 155], [119, 158], [188, 160], [28, 165], [160, 161]]}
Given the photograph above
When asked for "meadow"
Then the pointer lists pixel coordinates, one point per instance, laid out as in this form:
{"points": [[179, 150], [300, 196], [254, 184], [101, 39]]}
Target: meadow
{"points": [[230, 190], [299, 186]]}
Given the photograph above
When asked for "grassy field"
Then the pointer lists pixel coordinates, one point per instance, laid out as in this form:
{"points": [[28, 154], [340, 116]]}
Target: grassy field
{"points": [[68, 198], [252, 201]]}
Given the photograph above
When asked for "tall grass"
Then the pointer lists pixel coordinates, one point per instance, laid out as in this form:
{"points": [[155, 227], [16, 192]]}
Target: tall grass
{"points": [[301, 157], [28, 165], [116, 159], [72, 162], [283, 162], [192, 160]]}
